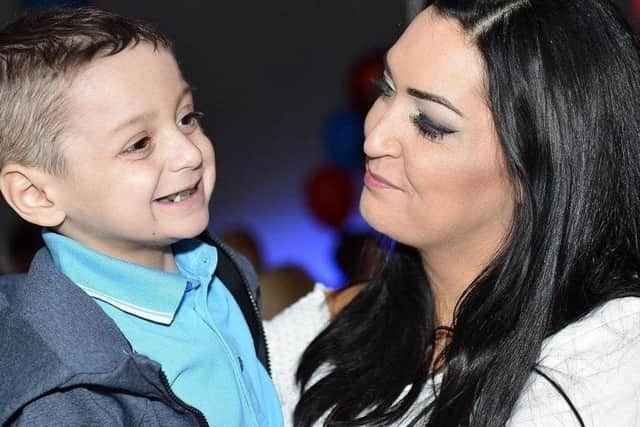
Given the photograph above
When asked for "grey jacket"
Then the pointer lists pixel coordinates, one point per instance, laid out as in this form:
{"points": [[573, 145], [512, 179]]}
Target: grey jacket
{"points": [[64, 362]]}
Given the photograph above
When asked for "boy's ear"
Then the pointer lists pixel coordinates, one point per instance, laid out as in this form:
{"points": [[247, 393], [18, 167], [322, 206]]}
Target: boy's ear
{"points": [[25, 190]]}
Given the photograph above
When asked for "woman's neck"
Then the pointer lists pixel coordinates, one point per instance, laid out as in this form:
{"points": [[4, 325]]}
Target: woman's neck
{"points": [[450, 270]]}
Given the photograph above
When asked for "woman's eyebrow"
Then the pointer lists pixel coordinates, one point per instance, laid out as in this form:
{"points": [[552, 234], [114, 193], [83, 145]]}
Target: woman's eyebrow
{"points": [[422, 94], [433, 98], [387, 68]]}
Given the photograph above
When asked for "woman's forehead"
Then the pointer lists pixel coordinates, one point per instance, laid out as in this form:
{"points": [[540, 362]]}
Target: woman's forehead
{"points": [[436, 55]]}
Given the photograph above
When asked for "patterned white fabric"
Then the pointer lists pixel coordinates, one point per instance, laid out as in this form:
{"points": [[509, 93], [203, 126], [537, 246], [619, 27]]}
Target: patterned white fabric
{"points": [[595, 360]]}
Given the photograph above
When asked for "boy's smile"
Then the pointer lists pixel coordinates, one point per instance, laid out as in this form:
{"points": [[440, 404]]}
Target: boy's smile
{"points": [[140, 169], [181, 198]]}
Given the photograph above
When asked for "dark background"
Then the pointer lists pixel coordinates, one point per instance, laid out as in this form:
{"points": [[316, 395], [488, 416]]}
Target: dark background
{"points": [[267, 75]]}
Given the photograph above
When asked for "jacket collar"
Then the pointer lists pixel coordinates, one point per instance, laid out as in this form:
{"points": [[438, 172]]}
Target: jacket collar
{"points": [[54, 335], [148, 293]]}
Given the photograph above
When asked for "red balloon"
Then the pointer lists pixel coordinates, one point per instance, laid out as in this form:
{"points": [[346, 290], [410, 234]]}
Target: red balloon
{"points": [[330, 195], [363, 89]]}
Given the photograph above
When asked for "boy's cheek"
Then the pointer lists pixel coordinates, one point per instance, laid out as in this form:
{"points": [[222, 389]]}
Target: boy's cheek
{"points": [[211, 182], [212, 167]]}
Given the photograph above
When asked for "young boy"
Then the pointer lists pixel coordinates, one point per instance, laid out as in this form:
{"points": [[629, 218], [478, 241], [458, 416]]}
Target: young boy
{"points": [[124, 317]]}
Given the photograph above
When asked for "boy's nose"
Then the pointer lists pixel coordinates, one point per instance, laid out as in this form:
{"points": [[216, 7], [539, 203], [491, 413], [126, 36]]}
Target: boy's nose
{"points": [[184, 154]]}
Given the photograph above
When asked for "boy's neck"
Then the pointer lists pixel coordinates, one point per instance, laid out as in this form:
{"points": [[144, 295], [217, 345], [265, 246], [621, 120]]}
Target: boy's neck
{"points": [[160, 258], [169, 262]]}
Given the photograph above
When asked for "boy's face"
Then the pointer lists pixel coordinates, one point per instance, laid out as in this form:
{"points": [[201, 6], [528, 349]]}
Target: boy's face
{"points": [[133, 140]]}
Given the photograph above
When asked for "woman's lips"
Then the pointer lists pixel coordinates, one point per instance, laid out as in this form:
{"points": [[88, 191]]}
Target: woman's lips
{"points": [[373, 180]]}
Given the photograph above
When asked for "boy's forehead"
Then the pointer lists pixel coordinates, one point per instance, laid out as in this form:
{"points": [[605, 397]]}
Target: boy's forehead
{"points": [[144, 58], [137, 80]]}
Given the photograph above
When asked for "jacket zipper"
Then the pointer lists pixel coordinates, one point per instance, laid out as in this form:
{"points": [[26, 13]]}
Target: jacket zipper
{"points": [[267, 356], [167, 387], [254, 304], [195, 411]]}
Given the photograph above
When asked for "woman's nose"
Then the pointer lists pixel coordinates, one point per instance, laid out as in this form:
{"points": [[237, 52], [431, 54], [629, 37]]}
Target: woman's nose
{"points": [[382, 131]]}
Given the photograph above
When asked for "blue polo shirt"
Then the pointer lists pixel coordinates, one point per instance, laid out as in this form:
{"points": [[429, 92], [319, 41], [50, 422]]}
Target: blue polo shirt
{"points": [[187, 322]]}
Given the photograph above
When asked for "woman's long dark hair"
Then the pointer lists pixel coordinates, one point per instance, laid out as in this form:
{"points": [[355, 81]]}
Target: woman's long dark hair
{"points": [[563, 84]]}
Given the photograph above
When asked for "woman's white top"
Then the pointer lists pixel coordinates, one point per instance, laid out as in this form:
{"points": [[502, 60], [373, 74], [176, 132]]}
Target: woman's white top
{"points": [[596, 361]]}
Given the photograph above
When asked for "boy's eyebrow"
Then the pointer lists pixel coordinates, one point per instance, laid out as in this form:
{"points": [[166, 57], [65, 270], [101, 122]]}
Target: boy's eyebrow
{"points": [[186, 90], [149, 115]]}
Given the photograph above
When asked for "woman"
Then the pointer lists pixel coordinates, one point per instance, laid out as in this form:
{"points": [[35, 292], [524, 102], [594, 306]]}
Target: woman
{"points": [[504, 162]]}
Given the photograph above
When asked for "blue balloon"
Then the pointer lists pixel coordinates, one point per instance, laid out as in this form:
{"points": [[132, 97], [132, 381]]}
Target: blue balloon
{"points": [[343, 137]]}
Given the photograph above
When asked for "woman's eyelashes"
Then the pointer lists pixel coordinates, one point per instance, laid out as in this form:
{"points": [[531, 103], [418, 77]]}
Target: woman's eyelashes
{"points": [[429, 129], [385, 89], [426, 126]]}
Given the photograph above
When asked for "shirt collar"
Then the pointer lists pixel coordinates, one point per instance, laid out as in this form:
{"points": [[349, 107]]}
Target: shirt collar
{"points": [[145, 292]]}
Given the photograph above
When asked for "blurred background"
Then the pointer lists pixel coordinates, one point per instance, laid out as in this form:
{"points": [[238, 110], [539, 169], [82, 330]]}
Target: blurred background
{"points": [[284, 86]]}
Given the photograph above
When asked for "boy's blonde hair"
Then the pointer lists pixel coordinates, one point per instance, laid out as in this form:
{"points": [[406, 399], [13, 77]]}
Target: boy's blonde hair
{"points": [[40, 52]]}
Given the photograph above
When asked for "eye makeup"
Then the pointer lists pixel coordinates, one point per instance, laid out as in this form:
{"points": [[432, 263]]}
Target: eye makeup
{"points": [[428, 129], [384, 87]]}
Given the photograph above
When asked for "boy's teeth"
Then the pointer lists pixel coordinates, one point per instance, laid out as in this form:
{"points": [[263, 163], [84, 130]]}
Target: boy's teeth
{"points": [[179, 196]]}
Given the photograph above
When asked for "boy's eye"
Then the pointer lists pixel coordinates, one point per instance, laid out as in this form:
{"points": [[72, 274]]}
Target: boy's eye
{"points": [[139, 146], [190, 121]]}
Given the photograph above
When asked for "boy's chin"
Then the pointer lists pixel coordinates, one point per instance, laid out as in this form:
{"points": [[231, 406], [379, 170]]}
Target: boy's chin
{"points": [[191, 231], [173, 233]]}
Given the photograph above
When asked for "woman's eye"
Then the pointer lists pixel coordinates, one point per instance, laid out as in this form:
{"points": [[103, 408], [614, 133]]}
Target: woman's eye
{"points": [[385, 89], [430, 130], [190, 121], [140, 145]]}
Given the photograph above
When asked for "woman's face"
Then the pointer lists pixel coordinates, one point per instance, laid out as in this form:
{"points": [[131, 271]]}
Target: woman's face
{"points": [[436, 175]]}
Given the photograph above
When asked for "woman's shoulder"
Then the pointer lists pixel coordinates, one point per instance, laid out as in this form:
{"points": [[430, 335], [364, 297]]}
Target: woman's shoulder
{"points": [[310, 313], [288, 334], [595, 362], [293, 329], [612, 319]]}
